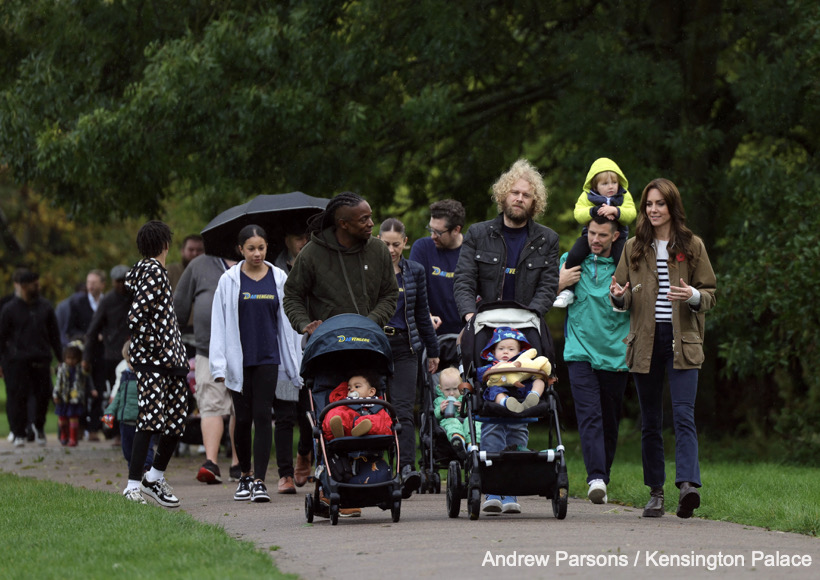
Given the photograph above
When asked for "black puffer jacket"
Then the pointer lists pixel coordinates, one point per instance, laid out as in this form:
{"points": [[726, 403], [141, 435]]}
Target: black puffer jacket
{"points": [[416, 310], [483, 259]]}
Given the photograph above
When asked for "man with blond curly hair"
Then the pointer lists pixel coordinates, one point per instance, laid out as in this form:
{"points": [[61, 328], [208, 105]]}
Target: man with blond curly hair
{"points": [[509, 258]]}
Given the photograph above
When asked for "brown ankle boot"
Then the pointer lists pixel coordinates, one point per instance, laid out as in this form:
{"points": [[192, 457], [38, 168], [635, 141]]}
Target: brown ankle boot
{"points": [[301, 473], [654, 509]]}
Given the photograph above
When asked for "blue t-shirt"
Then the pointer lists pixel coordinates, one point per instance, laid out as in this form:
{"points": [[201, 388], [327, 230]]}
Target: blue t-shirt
{"points": [[398, 321], [515, 238], [439, 270], [259, 320]]}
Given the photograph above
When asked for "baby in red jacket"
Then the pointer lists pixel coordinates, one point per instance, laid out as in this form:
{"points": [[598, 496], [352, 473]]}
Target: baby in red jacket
{"points": [[356, 419]]}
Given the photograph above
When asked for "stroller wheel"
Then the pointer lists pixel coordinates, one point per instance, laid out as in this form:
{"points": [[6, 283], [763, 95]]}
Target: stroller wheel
{"points": [[436, 484], [334, 514], [309, 508], [559, 502], [424, 481], [453, 489], [395, 511], [474, 502]]}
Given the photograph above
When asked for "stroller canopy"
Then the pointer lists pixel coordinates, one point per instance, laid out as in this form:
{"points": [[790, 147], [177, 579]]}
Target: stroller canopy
{"points": [[345, 342]]}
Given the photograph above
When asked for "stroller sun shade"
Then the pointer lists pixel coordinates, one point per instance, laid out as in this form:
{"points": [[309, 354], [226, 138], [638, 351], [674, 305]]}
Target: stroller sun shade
{"points": [[347, 341]]}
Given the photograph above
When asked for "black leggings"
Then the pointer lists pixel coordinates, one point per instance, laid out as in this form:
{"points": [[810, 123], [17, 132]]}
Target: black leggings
{"points": [[165, 450], [253, 413]]}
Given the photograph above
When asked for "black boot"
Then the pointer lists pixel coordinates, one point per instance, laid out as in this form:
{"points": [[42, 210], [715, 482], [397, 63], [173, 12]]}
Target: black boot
{"points": [[689, 500], [654, 509]]}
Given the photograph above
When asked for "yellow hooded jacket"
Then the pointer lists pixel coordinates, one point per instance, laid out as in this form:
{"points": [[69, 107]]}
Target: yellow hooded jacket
{"points": [[583, 205]]}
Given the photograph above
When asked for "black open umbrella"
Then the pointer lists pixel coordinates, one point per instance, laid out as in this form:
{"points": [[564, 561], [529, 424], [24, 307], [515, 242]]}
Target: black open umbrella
{"points": [[278, 214]]}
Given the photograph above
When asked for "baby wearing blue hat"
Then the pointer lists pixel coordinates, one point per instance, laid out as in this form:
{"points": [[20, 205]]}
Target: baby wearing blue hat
{"points": [[504, 346]]}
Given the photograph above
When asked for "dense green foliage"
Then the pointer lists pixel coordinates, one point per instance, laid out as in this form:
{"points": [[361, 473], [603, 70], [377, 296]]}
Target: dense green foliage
{"points": [[112, 108]]}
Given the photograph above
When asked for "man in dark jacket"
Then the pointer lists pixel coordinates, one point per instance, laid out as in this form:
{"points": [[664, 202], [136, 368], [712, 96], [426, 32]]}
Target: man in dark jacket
{"points": [[509, 258], [341, 270], [109, 326], [29, 338]]}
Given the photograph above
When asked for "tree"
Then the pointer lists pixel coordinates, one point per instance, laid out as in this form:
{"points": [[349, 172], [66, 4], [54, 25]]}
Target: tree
{"points": [[410, 101]]}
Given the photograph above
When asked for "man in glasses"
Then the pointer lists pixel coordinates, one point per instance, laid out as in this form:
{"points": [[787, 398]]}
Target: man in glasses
{"points": [[595, 354], [439, 256]]}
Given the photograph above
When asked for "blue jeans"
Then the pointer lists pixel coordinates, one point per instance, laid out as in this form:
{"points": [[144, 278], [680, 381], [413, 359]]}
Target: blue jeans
{"points": [[496, 437], [683, 388], [598, 396]]}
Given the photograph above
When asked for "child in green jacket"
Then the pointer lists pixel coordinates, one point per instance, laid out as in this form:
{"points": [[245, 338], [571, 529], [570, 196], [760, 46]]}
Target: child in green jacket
{"points": [[457, 431]]}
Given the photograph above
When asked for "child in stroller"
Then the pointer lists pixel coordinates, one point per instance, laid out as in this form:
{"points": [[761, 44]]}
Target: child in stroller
{"points": [[356, 419], [505, 346], [504, 467], [447, 411], [352, 471]]}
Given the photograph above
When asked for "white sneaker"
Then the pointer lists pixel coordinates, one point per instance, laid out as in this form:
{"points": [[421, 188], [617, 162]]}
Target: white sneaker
{"points": [[10, 438], [564, 299], [19, 441], [509, 504], [134, 495], [597, 491], [492, 504]]}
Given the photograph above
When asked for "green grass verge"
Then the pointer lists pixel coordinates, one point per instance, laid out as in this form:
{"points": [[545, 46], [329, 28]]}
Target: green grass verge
{"points": [[52, 530], [738, 486]]}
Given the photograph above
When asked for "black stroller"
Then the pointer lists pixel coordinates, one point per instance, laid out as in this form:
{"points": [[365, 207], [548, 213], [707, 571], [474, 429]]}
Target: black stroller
{"points": [[341, 345], [510, 472], [434, 446]]}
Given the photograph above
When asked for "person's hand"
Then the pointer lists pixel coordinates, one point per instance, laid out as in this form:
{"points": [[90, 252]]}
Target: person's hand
{"points": [[432, 365], [458, 404], [609, 211], [94, 393], [568, 277], [436, 320], [468, 316], [616, 290], [682, 292], [311, 327], [443, 405]]}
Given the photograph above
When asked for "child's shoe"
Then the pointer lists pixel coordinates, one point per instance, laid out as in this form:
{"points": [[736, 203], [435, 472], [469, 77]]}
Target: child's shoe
{"points": [[361, 428], [531, 400], [492, 504], [514, 405], [458, 446], [564, 299], [336, 427]]}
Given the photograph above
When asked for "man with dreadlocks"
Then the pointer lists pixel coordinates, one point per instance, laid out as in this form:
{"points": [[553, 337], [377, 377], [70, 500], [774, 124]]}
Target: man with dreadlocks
{"points": [[342, 269], [158, 359]]}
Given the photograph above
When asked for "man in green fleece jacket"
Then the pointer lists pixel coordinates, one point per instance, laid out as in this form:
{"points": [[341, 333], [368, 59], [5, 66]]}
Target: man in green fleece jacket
{"points": [[342, 269]]}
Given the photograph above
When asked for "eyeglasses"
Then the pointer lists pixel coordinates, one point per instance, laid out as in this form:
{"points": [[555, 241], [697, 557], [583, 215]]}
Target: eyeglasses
{"points": [[437, 233]]}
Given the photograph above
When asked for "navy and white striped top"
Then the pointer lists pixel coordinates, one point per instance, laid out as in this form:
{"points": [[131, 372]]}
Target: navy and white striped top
{"points": [[663, 307]]}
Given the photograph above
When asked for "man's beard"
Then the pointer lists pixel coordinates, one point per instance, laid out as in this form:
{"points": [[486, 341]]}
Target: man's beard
{"points": [[520, 217]]}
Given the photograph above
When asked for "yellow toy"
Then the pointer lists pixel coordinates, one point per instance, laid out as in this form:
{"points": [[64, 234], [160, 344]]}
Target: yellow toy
{"points": [[527, 360]]}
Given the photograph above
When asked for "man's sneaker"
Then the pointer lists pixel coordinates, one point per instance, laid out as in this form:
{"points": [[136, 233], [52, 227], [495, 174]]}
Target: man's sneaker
{"points": [[234, 473], [19, 441], [564, 299], [259, 493], [134, 495], [492, 504], [40, 436], [10, 437], [160, 491], [243, 490], [597, 491], [209, 473], [509, 504]]}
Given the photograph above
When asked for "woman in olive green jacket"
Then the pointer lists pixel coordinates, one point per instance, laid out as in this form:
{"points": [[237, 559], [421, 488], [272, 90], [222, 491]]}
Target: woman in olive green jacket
{"points": [[667, 283]]}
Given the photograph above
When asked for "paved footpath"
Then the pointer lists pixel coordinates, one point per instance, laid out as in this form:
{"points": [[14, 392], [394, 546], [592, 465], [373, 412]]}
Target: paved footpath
{"points": [[593, 540]]}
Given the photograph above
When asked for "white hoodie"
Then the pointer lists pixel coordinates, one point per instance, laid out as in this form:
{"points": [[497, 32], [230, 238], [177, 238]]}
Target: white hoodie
{"points": [[226, 346]]}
